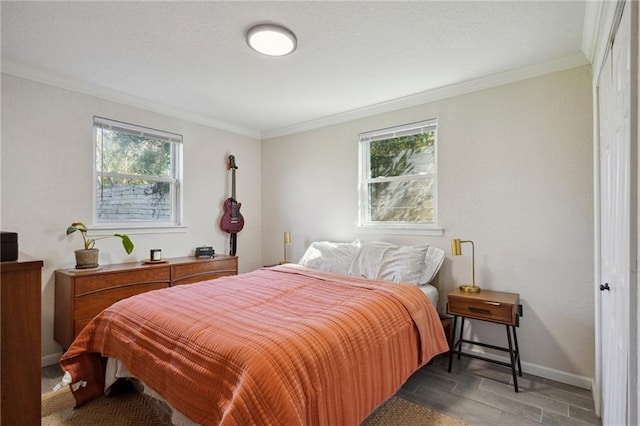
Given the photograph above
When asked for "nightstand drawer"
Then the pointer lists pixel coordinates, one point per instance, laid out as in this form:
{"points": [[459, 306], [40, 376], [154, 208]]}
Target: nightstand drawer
{"points": [[483, 310]]}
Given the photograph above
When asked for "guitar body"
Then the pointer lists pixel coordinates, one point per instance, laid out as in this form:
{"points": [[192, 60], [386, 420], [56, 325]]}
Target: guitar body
{"points": [[232, 220]]}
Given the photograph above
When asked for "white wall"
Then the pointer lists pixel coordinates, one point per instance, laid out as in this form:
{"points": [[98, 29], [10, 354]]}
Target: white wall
{"points": [[515, 166], [47, 183]]}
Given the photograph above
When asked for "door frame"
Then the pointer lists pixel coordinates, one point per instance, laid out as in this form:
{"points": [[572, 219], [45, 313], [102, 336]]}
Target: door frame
{"points": [[609, 18]]}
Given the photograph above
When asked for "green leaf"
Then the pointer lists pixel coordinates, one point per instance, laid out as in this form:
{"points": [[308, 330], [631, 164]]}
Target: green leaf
{"points": [[126, 242], [77, 226]]}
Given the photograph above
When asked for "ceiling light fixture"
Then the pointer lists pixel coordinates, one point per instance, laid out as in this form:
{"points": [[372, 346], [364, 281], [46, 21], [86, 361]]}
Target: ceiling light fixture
{"points": [[271, 40]]}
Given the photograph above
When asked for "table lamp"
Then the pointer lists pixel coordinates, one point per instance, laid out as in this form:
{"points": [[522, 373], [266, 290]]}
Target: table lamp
{"points": [[456, 250], [287, 240]]}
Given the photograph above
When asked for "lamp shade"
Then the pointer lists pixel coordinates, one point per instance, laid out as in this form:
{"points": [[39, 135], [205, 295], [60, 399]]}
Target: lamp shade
{"points": [[456, 247]]}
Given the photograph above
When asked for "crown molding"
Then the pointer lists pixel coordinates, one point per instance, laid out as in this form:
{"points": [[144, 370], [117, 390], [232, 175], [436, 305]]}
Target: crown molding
{"points": [[53, 79], [469, 86]]}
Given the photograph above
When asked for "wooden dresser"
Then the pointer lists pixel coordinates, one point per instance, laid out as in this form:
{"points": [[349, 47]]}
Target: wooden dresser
{"points": [[20, 347], [81, 295]]}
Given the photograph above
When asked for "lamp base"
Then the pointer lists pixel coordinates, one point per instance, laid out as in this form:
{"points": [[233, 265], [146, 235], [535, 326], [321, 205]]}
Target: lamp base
{"points": [[467, 288]]}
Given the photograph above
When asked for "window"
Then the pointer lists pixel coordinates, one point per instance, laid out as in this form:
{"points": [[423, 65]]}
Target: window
{"points": [[398, 177], [137, 175]]}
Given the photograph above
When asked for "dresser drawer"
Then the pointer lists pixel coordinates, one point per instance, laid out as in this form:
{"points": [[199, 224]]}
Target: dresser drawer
{"points": [[92, 304], [90, 284], [202, 277], [203, 270], [483, 310]]}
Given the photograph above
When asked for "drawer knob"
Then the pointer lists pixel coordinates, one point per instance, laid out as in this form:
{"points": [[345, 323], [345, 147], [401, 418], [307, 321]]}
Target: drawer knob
{"points": [[604, 287]]}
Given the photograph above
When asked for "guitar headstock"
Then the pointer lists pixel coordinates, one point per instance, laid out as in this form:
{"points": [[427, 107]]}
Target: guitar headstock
{"points": [[231, 163]]}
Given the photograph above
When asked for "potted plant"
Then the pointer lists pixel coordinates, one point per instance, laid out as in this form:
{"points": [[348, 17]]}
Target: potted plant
{"points": [[88, 257]]}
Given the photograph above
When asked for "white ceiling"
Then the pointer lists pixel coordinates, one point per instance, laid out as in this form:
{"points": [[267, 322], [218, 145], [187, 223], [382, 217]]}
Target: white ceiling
{"points": [[191, 58]]}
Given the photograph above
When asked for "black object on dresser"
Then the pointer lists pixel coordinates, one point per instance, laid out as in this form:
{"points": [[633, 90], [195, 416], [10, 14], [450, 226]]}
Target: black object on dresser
{"points": [[8, 246]]}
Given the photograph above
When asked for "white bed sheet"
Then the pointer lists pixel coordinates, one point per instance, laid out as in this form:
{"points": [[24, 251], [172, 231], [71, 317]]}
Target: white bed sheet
{"points": [[431, 292]]}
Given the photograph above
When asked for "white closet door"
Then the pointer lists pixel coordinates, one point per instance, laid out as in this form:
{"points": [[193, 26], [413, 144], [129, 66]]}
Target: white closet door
{"points": [[614, 108]]}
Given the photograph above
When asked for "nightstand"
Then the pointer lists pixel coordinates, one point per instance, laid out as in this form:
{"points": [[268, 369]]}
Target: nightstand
{"points": [[492, 306]]}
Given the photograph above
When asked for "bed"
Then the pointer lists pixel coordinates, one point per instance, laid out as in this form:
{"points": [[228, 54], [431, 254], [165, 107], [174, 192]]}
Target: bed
{"points": [[288, 345]]}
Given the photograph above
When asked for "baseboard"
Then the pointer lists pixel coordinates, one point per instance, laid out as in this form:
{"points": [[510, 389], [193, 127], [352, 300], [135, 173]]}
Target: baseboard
{"points": [[546, 372], [50, 359]]}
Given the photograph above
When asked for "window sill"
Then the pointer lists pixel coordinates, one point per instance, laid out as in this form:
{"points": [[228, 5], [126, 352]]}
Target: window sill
{"points": [[129, 229], [399, 230]]}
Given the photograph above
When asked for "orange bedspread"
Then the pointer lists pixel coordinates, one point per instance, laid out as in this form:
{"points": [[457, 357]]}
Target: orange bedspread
{"points": [[281, 346]]}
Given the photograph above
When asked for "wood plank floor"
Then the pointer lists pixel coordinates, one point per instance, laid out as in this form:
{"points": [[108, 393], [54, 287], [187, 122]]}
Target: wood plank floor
{"points": [[478, 393], [481, 393]]}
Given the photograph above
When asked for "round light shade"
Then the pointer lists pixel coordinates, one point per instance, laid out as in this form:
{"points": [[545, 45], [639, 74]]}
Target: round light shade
{"points": [[271, 40]]}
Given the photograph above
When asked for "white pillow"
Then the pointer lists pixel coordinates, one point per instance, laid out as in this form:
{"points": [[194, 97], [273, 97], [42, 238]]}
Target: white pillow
{"points": [[329, 256], [367, 261], [433, 261], [403, 264]]}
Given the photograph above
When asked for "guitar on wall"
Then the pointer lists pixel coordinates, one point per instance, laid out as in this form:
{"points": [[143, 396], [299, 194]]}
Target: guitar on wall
{"points": [[232, 220]]}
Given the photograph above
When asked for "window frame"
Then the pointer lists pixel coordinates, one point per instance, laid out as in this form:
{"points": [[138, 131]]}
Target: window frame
{"points": [[364, 180], [175, 224]]}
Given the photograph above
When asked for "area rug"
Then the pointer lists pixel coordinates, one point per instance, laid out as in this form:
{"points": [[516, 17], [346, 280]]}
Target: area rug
{"points": [[132, 408]]}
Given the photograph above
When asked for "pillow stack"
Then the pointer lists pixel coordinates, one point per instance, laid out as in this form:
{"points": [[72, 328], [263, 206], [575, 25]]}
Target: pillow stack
{"points": [[376, 260]]}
